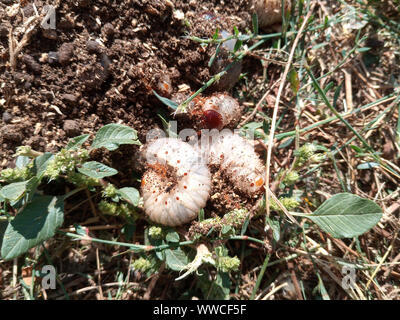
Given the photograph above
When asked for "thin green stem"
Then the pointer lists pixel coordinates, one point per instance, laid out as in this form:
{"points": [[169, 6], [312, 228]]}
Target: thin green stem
{"points": [[260, 276]]}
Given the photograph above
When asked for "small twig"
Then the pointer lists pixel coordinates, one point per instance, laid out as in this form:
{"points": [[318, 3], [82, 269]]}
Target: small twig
{"points": [[349, 89], [99, 275], [294, 280], [15, 275]]}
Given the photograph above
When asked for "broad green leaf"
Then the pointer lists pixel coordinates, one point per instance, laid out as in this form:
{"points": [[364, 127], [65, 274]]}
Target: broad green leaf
{"points": [[14, 191], [3, 227], [346, 215], [96, 170], [227, 230], [217, 289], [172, 236], [130, 194], [40, 163], [111, 136], [76, 142], [36, 223], [176, 259], [22, 161]]}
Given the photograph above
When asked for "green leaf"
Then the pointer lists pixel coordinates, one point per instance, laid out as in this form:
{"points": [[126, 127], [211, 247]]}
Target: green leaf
{"points": [[238, 45], [96, 170], [212, 59], [201, 215], [169, 103], [294, 81], [336, 95], [130, 194], [172, 236], [227, 230], [176, 259], [168, 128], [364, 49], [22, 161], [216, 34], [275, 227], [111, 136], [40, 163], [356, 149], [286, 143], [15, 190], [217, 289], [254, 20], [36, 223], [76, 142], [3, 227], [346, 215]]}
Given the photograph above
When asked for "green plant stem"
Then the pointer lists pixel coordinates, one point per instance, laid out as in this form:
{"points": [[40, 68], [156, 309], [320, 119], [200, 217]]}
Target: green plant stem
{"points": [[143, 248], [260, 276]]}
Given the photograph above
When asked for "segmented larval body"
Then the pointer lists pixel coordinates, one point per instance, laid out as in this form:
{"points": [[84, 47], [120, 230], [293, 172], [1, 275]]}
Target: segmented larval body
{"points": [[236, 156], [217, 111], [221, 110], [177, 184]]}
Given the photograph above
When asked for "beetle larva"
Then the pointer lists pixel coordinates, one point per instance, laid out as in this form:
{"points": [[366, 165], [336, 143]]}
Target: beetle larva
{"points": [[236, 156], [217, 111], [177, 183]]}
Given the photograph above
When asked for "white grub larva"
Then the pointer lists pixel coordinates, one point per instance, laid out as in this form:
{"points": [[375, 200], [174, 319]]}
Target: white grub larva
{"points": [[236, 156], [217, 111], [220, 111], [177, 183]]}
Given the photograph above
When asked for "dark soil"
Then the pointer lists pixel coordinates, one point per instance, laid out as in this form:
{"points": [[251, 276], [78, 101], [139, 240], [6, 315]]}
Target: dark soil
{"points": [[101, 65]]}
